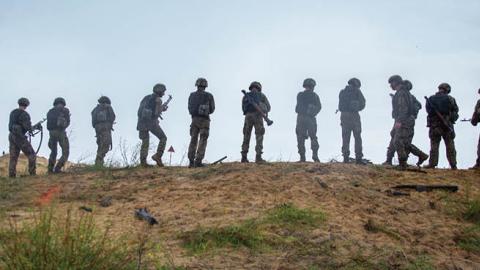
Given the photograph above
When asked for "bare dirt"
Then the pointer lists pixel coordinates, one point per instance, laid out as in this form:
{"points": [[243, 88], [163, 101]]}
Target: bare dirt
{"points": [[424, 224]]}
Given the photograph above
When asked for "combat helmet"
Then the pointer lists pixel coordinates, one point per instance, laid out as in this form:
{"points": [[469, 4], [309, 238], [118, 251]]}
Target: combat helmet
{"points": [[309, 82], [104, 100], [255, 85], [407, 84], [202, 82], [159, 88], [395, 79], [354, 82], [446, 87], [24, 102], [59, 100]]}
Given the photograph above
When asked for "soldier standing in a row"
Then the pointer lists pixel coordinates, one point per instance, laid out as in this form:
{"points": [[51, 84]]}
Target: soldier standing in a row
{"points": [[200, 105], [351, 102], [103, 118], [18, 125], [58, 120], [442, 112], [149, 111], [474, 121], [254, 119], [308, 106]]}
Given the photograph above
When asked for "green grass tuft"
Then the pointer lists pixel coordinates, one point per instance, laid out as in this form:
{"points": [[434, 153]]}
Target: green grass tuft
{"points": [[469, 239], [50, 242], [472, 213], [289, 216]]}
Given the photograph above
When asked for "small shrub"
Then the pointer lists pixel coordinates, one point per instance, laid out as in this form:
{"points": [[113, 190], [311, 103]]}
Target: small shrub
{"points": [[472, 213], [288, 215], [68, 243], [469, 239]]}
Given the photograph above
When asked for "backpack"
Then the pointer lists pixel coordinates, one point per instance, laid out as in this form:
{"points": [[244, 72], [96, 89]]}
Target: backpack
{"points": [[100, 115], [441, 103], [203, 107], [147, 107], [415, 106], [62, 121]]}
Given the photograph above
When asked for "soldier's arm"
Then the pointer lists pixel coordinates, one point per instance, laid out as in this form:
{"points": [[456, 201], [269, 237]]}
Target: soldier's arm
{"points": [[67, 117], [267, 103], [362, 101], [455, 109], [403, 108], [318, 104], [212, 103], [476, 114], [244, 104], [93, 117], [112, 114], [340, 101], [297, 107], [190, 104], [25, 121]]}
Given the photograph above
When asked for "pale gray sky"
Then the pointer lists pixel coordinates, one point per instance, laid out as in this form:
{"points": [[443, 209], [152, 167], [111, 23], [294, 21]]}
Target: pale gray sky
{"points": [[82, 49]]}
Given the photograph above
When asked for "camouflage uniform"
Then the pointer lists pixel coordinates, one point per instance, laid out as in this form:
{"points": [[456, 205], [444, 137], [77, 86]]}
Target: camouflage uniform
{"points": [[200, 105], [307, 108], [474, 121], [254, 119], [103, 118], [150, 124], [18, 126], [351, 102], [58, 119], [439, 131], [403, 135]]}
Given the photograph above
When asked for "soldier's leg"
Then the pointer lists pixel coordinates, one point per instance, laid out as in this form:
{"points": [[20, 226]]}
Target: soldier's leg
{"points": [[390, 149], [65, 145], [402, 144], [449, 138], [158, 132], [53, 145], [202, 144], [27, 149], [145, 137], [14, 154], [357, 135], [302, 135], [312, 133], [435, 138], [259, 133], [346, 135], [192, 148], [247, 133], [478, 153], [419, 153], [104, 141]]}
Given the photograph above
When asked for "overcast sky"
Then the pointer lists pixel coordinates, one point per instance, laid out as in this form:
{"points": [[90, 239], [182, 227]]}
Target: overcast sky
{"points": [[82, 49]]}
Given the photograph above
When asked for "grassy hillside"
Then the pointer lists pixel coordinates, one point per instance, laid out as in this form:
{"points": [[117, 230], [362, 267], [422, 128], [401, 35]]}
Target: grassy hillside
{"points": [[273, 216]]}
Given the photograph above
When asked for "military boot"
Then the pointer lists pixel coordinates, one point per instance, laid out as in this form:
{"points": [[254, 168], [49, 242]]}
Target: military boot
{"points": [[259, 159], [158, 159], [360, 161], [422, 159], [199, 164], [302, 158], [429, 166], [244, 158], [191, 163], [51, 166], [144, 164], [402, 166], [476, 166], [346, 159], [315, 157]]}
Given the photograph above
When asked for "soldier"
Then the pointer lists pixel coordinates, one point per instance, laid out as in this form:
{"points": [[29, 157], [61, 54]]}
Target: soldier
{"points": [[351, 102], [18, 126], [404, 120], [442, 106], [254, 119], [149, 111], [200, 105], [413, 149], [103, 118], [307, 108], [474, 121], [58, 119]]}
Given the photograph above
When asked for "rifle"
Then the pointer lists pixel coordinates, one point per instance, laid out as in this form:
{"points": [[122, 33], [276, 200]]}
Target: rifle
{"points": [[143, 213], [165, 105], [466, 120], [220, 160], [428, 188], [257, 107], [439, 115], [36, 129]]}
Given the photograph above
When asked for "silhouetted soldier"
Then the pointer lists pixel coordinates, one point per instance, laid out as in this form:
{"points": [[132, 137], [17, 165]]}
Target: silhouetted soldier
{"points": [[103, 118], [58, 119], [474, 121]]}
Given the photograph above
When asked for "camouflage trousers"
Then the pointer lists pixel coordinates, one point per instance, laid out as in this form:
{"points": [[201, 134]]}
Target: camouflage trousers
{"points": [[306, 128], [17, 144], [103, 133], [199, 129], [436, 134], [351, 123], [58, 137], [402, 141], [144, 135], [253, 120], [478, 152], [391, 148]]}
